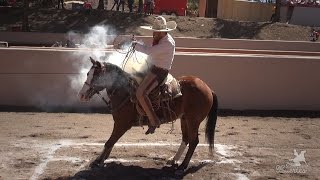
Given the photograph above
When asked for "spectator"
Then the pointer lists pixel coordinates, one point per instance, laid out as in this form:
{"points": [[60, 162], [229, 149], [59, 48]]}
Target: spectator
{"points": [[290, 12], [130, 5], [62, 6], [140, 6], [148, 7], [152, 5], [121, 3], [115, 4], [102, 4], [87, 6], [314, 35]]}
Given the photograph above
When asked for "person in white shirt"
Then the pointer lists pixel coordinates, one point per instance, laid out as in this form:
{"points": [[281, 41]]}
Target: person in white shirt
{"points": [[161, 55]]}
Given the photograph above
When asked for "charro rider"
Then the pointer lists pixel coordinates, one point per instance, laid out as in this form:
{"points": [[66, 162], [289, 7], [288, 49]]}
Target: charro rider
{"points": [[161, 55]]}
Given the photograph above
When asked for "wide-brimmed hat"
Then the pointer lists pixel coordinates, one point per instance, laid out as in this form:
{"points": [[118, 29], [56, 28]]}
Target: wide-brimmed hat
{"points": [[161, 25]]}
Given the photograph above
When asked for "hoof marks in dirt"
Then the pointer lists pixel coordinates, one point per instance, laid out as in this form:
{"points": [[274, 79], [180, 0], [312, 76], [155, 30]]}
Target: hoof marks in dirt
{"points": [[306, 136], [83, 137], [233, 133]]}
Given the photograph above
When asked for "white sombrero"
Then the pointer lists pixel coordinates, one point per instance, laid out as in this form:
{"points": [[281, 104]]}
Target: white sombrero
{"points": [[161, 25]]}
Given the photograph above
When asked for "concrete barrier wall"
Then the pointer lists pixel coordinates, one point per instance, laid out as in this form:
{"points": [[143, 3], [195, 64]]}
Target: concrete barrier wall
{"points": [[42, 78], [53, 78], [257, 83], [51, 38]]}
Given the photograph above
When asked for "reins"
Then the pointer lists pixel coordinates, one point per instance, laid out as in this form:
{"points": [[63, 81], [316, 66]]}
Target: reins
{"points": [[108, 103], [129, 54]]}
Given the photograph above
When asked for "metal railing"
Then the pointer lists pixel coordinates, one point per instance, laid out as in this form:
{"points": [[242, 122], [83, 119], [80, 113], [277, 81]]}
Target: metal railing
{"points": [[4, 44]]}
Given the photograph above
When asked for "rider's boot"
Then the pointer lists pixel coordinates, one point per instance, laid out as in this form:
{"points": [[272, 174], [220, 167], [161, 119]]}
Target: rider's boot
{"points": [[154, 122]]}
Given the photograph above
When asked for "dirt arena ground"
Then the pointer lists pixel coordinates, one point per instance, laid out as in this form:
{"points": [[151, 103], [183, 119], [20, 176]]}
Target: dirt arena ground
{"points": [[60, 146]]}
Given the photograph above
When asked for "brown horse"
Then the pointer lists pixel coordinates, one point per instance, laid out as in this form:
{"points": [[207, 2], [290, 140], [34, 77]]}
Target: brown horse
{"points": [[197, 102]]}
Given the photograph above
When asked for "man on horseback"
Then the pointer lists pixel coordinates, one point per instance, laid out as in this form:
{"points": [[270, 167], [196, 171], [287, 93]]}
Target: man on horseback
{"points": [[161, 55], [196, 103]]}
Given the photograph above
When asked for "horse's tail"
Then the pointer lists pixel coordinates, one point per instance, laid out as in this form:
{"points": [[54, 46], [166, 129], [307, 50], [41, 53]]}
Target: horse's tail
{"points": [[211, 122]]}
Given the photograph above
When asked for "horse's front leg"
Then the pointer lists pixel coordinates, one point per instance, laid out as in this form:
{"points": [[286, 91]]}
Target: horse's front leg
{"points": [[173, 161], [118, 130]]}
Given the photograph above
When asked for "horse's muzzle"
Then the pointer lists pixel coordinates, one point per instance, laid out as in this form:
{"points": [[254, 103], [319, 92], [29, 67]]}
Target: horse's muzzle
{"points": [[83, 98]]}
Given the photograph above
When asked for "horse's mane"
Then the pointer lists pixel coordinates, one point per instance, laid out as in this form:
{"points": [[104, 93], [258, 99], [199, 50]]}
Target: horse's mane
{"points": [[124, 79], [117, 69]]}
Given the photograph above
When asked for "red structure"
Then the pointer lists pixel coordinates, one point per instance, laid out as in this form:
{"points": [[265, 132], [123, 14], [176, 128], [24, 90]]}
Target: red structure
{"points": [[173, 7]]}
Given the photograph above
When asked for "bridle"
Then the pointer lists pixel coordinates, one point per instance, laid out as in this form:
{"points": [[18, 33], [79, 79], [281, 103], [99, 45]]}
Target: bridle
{"points": [[130, 52], [94, 91]]}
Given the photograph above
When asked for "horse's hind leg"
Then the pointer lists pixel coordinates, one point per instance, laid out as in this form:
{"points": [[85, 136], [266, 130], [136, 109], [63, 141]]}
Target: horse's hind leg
{"points": [[174, 160], [118, 130]]}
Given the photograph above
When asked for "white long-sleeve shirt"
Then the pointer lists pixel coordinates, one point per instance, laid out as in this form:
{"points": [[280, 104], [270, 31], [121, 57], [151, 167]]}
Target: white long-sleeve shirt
{"points": [[162, 54]]}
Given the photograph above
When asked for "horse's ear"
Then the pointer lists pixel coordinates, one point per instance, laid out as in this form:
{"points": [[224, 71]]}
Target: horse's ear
{"points": [[92, 60], [98, 64]]}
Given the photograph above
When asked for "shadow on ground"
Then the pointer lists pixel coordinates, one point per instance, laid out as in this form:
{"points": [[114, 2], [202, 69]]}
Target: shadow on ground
{"points": [[132, 172]]}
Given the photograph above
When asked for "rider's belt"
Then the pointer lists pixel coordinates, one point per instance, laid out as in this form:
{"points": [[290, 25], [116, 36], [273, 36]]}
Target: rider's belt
{"points": [[160, 72]]}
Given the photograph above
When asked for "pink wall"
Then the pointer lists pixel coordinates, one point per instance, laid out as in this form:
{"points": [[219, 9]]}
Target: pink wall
{"points": [[51, 38], [46, 77]]}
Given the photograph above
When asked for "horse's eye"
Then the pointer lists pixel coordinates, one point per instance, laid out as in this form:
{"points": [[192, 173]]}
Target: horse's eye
{"points": [[87, 74]]}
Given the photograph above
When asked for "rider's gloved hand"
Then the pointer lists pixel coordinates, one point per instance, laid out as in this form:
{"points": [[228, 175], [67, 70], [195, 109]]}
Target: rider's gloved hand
{"points": [[133, 38], [134, 43]]}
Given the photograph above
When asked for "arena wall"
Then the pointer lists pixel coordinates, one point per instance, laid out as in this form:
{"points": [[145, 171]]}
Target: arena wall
{"points": [[48, 39], [52, 77]]}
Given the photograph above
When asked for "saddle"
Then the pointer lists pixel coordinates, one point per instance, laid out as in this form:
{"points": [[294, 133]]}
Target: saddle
{"points": [[168, 90]]}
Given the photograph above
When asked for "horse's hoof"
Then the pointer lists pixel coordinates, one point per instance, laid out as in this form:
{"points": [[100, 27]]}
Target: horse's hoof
{"points": [[179, 172], [95, 164], [168, 168], [171, 162]]}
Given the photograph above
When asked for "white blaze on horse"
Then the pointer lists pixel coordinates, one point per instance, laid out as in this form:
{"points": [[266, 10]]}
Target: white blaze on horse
{"points": [[195, 103]]}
